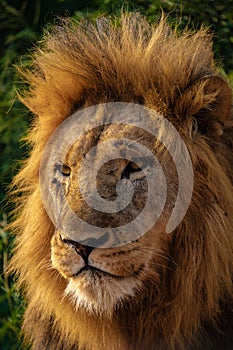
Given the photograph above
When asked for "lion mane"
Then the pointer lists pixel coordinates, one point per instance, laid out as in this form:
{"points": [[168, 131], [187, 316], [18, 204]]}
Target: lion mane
{"points": [[187, 303]]}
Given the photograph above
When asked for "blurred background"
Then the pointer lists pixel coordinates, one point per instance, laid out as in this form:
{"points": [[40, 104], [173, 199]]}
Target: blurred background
{"points": [[21, 26]]}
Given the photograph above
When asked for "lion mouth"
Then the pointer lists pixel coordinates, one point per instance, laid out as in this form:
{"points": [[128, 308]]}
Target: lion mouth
{"points": [[95, 272]]}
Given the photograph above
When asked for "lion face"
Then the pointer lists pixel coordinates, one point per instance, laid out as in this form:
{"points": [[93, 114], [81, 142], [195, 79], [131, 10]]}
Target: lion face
{"points": [[99, 279]]}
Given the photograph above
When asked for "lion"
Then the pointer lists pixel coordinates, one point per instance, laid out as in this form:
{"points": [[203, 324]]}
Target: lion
{"points": [[161, 290]]}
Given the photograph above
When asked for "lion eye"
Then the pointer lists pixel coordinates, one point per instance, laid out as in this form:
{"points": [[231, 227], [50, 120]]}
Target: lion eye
{"points": [[65, 170], [130, 168]]}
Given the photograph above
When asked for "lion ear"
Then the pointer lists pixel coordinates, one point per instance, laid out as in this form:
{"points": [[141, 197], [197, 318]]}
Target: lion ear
{"points": [[208, 102]]}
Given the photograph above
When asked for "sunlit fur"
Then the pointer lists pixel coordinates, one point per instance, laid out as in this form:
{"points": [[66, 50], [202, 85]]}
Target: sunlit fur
{"points": [[108, 298], [82, 65]]}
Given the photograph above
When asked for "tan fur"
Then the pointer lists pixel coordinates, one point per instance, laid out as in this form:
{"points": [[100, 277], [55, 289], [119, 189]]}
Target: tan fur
{"points": [[187, 275]]}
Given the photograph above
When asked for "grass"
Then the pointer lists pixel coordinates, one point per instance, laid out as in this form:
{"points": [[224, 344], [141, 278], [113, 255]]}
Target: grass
{"points": [[11, 303]]}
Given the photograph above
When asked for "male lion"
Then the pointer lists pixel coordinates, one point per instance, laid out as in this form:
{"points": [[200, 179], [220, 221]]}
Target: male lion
{"points": [[161, 290]]}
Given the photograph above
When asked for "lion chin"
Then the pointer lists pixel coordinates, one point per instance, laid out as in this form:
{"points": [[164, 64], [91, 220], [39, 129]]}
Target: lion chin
{"points": [[99, 294]]}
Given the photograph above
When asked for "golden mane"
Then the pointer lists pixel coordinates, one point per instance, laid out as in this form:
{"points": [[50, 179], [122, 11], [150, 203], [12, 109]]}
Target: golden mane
{"points": [[84, 64]]}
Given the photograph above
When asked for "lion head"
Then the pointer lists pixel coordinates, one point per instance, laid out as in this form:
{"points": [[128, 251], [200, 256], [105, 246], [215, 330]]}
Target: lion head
{"points": [[158, 290]]}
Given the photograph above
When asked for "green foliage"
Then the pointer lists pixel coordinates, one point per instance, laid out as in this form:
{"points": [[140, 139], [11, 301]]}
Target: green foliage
{"points": [[11, 304], [21, 23]]}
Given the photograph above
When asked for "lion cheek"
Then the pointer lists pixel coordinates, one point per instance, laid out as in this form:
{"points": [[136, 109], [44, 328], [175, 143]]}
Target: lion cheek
{"points": [[64, 259]]}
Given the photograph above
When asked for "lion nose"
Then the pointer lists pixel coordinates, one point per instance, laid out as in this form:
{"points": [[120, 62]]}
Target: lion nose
{"points": [[83, 250]]}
